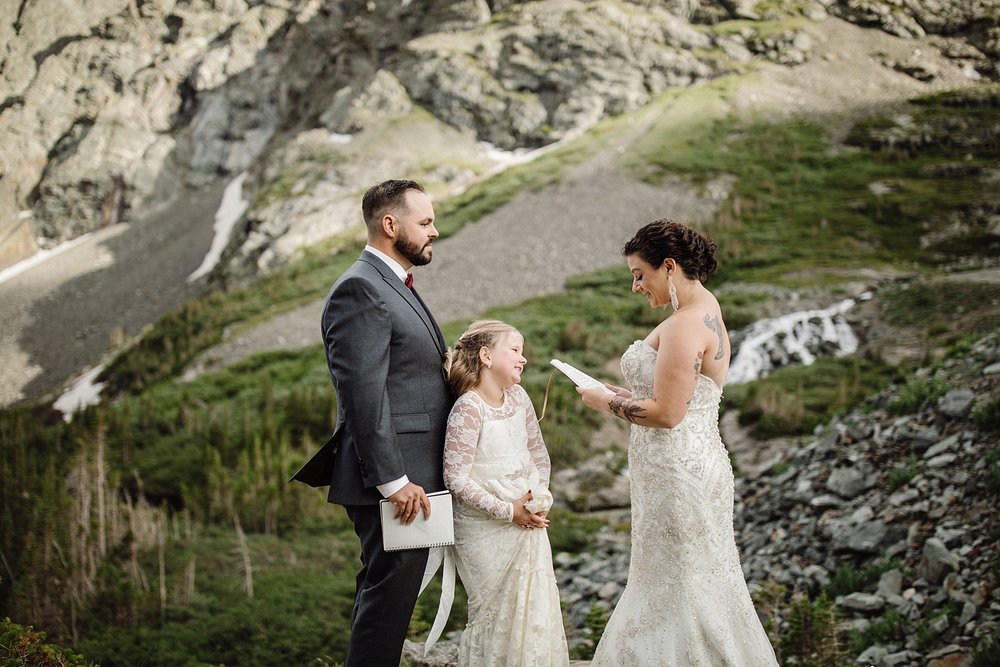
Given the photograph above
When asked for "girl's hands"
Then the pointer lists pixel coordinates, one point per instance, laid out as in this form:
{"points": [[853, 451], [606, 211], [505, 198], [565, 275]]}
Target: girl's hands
{"points": [[527, 519]]}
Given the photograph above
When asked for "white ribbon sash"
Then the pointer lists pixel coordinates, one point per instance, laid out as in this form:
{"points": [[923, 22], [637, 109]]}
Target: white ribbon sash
{"points": [[435, 557]]}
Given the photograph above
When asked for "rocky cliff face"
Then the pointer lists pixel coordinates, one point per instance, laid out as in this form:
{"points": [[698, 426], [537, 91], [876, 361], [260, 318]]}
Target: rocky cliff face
{"points": [[119, 105]]}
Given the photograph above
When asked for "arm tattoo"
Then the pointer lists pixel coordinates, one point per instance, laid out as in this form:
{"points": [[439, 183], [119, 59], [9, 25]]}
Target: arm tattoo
{"points": [[626, 409], [713, 324]]}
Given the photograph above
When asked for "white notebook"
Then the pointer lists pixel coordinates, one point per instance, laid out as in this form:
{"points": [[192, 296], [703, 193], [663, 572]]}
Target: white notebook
{"points": [[438, 531], [580, 378]]}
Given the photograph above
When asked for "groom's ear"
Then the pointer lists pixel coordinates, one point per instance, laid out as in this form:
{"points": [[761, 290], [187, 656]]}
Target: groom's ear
{"points": [[389, 224]]}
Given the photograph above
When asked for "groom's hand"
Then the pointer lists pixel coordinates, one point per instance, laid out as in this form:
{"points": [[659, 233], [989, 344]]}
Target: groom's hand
{"points": [[408, 501]]}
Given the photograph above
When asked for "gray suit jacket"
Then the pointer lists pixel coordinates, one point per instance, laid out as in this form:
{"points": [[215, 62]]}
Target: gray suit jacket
{"points": [[385, 353]]}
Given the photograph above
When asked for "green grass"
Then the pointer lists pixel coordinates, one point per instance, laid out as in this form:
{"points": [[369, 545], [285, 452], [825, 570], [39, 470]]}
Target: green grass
{"points": [[297, 614], [945, 312], [799, 207], [987, 654], [848, 579], [986, 415], [811, 633], [889, 627], [902, 474], [571, 532], [793, 400], [916, 393], [991, 476]]}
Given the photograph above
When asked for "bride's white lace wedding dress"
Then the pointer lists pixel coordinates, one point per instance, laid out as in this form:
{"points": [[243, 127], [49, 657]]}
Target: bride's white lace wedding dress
{"points": [[686, 603], [492, 457]]}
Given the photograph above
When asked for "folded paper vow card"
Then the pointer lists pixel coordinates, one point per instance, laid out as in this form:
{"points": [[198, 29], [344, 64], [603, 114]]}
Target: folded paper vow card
{"points": [[580, 378]]}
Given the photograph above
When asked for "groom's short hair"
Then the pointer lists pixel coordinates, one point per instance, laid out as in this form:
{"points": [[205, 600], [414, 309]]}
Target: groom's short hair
{"points": [[385, 198]]}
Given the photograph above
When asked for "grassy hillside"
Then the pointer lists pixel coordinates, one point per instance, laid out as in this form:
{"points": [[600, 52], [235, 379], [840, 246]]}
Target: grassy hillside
{"points": [[158, 527]]}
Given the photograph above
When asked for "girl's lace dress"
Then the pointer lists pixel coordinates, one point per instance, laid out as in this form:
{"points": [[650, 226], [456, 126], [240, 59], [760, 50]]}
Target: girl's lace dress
{"points": [[492, 457]]}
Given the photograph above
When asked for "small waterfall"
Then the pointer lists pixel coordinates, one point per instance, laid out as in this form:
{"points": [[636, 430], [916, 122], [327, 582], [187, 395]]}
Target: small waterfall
{"points": [[795, 338]]}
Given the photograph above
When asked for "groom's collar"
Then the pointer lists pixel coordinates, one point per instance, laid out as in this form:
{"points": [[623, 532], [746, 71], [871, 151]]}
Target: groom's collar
{"points": [[389, 261]]}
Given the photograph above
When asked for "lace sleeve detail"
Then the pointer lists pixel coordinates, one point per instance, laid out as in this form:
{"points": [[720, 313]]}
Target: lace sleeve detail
{"points": [[536, 445], [462, 439]]}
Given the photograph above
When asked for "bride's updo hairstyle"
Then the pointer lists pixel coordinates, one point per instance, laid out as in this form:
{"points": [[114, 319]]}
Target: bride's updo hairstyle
{"points": [[660, 239], [466, 368]]}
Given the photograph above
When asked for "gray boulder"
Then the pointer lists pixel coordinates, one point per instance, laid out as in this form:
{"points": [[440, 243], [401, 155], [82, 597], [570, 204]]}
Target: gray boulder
{"points": [[936, 561]]}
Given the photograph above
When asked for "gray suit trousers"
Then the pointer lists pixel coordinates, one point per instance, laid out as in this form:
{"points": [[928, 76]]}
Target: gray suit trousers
{"points": [[387, 588]]}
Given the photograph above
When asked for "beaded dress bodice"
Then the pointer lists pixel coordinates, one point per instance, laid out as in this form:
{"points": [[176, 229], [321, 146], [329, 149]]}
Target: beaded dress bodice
{"points": [[686, 601]]}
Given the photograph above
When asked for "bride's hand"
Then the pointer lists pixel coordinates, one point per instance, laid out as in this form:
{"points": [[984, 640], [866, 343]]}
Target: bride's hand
{"points": [[596, 398], [525, 518], [619, 391]]}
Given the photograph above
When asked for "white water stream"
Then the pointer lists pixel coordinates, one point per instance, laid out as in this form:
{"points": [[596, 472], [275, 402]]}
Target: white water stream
{"points": [[795, 338]]}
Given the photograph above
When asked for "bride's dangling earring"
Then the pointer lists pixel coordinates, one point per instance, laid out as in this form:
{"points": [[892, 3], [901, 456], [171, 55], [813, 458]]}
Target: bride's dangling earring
{"points": [[673, 293]]}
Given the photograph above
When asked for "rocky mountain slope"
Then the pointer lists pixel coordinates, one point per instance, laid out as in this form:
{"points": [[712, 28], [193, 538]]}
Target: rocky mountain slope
{"points": [[891, 510]]}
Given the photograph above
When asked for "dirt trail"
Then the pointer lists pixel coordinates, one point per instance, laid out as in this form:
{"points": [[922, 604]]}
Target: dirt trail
{"points": [[524, 249]]}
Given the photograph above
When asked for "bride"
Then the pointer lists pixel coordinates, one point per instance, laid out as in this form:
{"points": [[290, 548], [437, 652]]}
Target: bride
{"points": [[686, 601]]}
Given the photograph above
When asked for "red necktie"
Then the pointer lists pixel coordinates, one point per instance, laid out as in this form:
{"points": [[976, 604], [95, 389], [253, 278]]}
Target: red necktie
{"points": [[409, 281]]}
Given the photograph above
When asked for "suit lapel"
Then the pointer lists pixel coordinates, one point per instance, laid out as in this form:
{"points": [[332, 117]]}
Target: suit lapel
{"points": [[435, 329], [410, 296]]}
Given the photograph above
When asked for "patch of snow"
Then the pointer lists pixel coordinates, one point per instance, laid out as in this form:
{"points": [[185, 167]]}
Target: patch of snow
{"points": [[80, 394], [230, 211]]}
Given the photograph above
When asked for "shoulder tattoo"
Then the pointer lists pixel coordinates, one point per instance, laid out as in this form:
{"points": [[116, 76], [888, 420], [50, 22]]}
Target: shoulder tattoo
{"points": [[713, 324]]}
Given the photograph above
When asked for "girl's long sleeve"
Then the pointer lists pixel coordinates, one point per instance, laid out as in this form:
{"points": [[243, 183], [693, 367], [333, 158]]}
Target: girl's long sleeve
{"points": [[460, 445]]}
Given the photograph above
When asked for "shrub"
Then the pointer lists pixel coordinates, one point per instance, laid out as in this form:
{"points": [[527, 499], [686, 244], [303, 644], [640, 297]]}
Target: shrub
{"points": [[988, 653], [902, 475], [21, 645], [915, 394], [810, 637], [987, 415], [889, 627], [992, 475], [849, 579], [594, 622]]}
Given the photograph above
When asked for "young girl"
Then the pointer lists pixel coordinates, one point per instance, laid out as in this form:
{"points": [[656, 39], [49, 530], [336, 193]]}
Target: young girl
{"points": [[496, 465]]}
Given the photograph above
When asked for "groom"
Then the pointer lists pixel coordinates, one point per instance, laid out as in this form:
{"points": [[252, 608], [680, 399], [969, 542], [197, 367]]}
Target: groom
{"points": [[385, 353]]}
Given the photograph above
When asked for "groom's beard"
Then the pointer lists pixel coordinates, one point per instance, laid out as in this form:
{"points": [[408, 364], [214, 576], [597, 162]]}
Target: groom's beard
{"points": [[414, 254]]}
